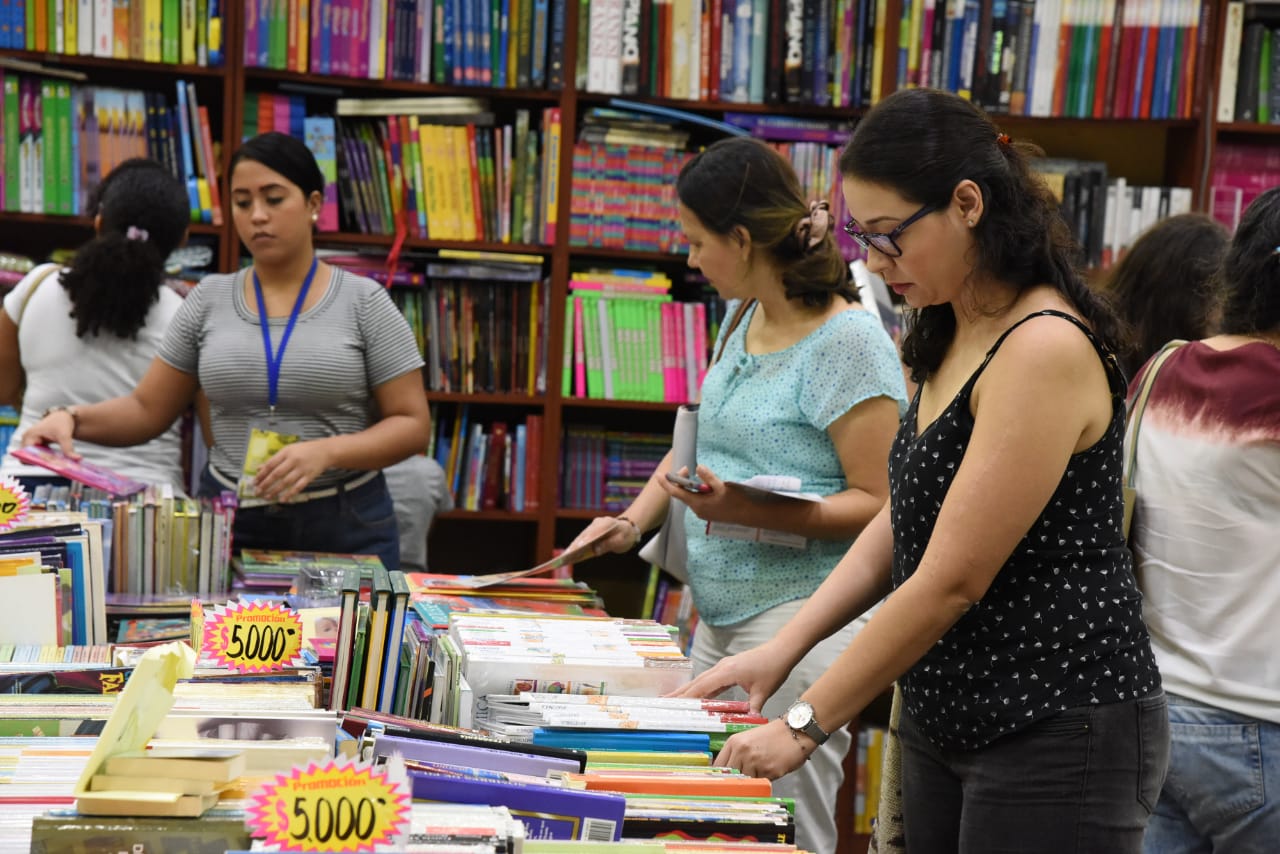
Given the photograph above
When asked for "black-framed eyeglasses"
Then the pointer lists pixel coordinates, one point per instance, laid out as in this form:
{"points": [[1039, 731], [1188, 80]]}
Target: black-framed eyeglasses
{"points": [[885, 243]]}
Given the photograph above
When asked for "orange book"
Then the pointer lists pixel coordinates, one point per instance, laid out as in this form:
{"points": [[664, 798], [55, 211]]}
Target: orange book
{"points": [[671, 784]]}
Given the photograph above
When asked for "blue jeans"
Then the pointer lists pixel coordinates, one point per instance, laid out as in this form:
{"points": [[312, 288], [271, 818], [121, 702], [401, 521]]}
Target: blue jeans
{"points": [[1221, 793], [357, 521], [1083, 781]]}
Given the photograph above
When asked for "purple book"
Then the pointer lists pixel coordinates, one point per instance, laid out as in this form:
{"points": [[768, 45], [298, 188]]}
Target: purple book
{"points": [[471, 756]]}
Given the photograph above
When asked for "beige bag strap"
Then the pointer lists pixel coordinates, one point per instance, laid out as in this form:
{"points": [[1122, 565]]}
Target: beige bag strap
{"points": [[1139, 406], [733, 324], [52, 268]]}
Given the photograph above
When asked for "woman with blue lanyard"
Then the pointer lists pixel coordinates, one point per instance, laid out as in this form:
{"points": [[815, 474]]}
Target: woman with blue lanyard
{"points": [[293, 356]]}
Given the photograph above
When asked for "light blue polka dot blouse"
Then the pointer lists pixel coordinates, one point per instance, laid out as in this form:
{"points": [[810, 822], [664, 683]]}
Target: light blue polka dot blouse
{"points": [[768, 414]]}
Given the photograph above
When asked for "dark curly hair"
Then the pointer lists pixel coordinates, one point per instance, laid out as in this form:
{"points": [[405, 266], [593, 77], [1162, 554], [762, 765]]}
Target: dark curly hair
{"points": [[921, 143], [741, 181], [1162, 287], [1250, 278], [113, 280]]}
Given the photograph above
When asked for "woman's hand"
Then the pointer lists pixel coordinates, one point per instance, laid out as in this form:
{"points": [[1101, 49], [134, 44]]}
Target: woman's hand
{"points": [[758, 671], [711, 502], [619, 535], [770, 750], [290, 470], [56, 428]]}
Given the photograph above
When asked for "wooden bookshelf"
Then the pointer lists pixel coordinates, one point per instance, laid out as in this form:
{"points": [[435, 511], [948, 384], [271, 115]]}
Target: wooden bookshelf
{"points": [[1163, 151]]}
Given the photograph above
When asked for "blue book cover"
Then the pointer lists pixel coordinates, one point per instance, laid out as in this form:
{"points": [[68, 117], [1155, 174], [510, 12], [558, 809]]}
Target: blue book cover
{"points": [[501, 77], [615, 739], [538, 59]]}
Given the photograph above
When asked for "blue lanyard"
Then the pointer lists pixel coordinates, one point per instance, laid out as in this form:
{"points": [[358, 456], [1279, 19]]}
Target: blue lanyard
{"points": [[274, 360]]}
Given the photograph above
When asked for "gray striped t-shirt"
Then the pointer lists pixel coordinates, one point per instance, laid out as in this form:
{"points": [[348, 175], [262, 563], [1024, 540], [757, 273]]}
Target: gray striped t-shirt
{"points": [[353, 340]]}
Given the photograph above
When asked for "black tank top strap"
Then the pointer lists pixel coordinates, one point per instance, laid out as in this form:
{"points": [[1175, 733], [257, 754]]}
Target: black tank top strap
{"points": [[1115, 376]]}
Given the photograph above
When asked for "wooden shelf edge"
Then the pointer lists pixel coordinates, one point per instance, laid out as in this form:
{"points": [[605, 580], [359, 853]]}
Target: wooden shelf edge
{"points": [[1254, 128], [407, 88], [74, 60], [356, 239], [72, 221], [610, 253], [491, 515], [503, 398], [703, 107], [595, 403]]}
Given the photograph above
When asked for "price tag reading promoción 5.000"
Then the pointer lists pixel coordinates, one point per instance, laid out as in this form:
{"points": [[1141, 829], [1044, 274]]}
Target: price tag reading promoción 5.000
{"points": [[337, 806], [253, 638]]}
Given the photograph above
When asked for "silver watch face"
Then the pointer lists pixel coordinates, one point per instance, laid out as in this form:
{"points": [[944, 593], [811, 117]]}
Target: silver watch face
{"points": [[800, 715]]}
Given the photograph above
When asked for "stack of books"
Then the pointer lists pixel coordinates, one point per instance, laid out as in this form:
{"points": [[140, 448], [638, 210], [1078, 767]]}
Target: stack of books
{"points": [[161, 783]]}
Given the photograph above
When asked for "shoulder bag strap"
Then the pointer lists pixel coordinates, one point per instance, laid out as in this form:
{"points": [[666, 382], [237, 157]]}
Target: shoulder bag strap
{"points": [[52, 268], [733, 325], [1140, 405]]}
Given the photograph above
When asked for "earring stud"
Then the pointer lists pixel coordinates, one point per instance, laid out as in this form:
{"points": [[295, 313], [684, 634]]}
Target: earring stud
{"points": [[971, 223]]}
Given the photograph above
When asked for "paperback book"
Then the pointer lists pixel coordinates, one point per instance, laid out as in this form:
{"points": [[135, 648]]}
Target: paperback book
{"points": [[80, 471]]}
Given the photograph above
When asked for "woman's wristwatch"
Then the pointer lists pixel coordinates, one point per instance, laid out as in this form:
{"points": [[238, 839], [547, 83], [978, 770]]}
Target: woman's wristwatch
{"points": [[70, 410], [799, 718]]}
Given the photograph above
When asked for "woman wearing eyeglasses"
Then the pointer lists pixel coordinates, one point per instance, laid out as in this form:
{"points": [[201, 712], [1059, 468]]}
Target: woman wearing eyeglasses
{"points": [[808, 385], [1032, 718]]}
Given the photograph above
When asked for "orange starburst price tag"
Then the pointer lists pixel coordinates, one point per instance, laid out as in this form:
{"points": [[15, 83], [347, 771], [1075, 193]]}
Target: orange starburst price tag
{"points": [[337, 807], [14, 503], [253, 638]]}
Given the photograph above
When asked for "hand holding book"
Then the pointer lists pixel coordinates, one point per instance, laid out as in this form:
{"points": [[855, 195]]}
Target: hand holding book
{"points": [[56, 427]]}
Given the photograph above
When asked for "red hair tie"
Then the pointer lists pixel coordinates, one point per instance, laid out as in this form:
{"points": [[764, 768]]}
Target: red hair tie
{"points": [[1003, 139]]}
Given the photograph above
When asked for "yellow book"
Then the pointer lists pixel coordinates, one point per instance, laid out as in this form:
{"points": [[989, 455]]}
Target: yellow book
{"points": [[430, 181], [71, 28], [187, 33], [482, 255], [211, 764], [450, 201], [168, 785], [143, 803], [152, 14], [877, 60], [551, 174]]}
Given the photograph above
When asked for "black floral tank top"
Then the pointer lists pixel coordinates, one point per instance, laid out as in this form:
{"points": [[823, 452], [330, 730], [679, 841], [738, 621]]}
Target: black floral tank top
{"points": [[1061, 625]]}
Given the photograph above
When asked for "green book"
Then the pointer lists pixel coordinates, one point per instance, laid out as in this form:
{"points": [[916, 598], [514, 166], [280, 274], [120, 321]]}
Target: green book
{"points": [[356, 683]]}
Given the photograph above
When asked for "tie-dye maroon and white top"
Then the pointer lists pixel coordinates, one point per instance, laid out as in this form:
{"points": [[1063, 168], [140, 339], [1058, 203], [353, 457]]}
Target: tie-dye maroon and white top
{"points": [[1207, 525]]}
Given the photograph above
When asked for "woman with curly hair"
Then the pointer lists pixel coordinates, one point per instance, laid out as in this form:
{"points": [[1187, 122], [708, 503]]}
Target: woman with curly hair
{"points": [[87, 332]]}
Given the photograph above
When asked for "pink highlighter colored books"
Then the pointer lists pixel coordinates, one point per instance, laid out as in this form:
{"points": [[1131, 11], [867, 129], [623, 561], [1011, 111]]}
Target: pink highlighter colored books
{"points": [[79, 470]]}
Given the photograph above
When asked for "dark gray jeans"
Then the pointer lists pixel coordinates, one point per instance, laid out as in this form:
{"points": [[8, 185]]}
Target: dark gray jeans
{"points": [[1083, 781]]}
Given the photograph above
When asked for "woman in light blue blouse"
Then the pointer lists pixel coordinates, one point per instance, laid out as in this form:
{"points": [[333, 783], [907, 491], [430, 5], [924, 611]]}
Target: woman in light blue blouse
{"points": [[808, 385]]}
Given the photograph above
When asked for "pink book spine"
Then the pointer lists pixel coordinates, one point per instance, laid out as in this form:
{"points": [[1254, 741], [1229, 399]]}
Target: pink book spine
{"points": [[699, 344], [360, 39], [338, 17], [615, 287], [250, 34], [679, 367], [671, 379], [579, 351]]}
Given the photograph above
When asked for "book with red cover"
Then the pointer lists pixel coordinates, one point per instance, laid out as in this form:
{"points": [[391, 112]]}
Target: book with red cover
{"points": [[79, 470]]}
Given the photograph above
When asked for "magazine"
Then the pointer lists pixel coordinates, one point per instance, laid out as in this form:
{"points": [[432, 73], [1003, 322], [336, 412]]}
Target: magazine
{"points": [[79, 470]]}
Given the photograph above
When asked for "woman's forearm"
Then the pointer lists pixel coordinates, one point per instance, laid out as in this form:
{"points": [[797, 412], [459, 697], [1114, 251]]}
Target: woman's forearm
{"points": [[837, 517], [384, 443]]}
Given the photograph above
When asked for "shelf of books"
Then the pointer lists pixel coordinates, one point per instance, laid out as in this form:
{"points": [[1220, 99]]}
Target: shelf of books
{"points": [[507, 170]]}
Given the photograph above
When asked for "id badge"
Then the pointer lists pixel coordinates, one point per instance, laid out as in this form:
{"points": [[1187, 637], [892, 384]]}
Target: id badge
{"points": [[263, 443]]}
